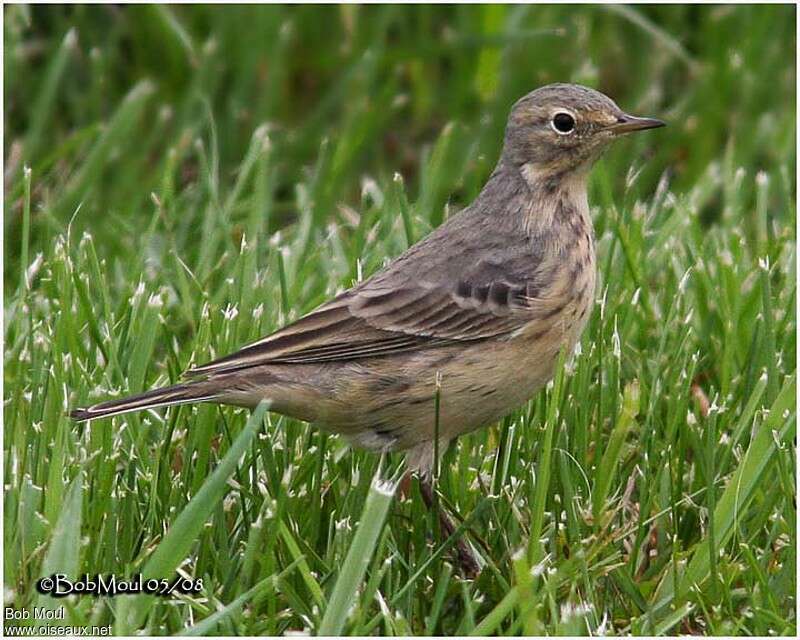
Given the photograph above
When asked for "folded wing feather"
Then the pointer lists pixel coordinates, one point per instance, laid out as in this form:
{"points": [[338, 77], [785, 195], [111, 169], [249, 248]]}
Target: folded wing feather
{"points": [[373, 321]]}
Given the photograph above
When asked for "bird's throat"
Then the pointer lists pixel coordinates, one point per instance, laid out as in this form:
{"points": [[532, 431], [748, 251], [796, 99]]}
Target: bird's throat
{"points": [[549, 190]]}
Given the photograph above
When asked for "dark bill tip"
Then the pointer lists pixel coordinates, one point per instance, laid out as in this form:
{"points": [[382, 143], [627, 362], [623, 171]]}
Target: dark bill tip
{"points": [[626, 124]]}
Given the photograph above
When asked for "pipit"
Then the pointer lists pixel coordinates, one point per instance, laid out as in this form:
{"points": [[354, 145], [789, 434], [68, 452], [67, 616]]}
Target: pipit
{"points": [[479, 309]]}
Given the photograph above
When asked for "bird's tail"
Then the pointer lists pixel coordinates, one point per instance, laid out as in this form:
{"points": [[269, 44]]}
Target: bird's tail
{"points": [[163, 397]]}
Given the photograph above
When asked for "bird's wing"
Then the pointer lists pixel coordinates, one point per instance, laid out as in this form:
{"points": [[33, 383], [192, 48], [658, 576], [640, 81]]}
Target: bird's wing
{"points": [[449, 288], [374, 321], [469, 309]]}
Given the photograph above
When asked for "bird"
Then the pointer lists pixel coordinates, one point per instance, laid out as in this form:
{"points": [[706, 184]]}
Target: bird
{"points": [[459, 330]]}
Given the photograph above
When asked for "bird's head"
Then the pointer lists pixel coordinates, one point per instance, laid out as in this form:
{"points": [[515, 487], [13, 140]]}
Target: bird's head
{"points": [[563, 128]]}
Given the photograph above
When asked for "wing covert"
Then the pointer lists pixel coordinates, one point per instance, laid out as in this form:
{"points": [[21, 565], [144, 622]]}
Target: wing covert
{"points": [[459, 299]]}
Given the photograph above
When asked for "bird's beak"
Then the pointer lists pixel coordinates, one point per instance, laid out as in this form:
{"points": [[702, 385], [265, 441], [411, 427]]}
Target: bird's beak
{"points": [[626, 124]]}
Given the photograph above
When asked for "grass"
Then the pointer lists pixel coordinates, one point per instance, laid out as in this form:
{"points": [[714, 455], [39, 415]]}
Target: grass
{"points": [[182, 180]]}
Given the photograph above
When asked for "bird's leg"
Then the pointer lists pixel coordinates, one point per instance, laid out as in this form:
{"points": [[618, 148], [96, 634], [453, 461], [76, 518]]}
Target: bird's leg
{"points": [[466, 559]]}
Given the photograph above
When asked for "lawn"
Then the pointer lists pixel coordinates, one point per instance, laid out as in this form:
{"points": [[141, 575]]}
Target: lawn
{"points": [[182, 180]]}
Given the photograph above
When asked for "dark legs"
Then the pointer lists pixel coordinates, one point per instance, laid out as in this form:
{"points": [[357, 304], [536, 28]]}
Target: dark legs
{"points": [[466, 559]]}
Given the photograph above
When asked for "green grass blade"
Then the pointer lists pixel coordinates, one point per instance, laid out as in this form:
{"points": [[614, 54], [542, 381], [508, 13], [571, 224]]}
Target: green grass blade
{"points": [[637, 17], [46, 100], [63, 554], [179, 538], [405, 208], [182, 534], [610, 461], [492, 620], [116, 132], [26, 232], [737, 494], [305, 571], [535, 550], [207, 625], [358, 556], [743, 483]]}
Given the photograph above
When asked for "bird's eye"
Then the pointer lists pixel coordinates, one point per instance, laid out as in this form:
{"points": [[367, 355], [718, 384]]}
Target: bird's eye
{"points": [[563, 123]]}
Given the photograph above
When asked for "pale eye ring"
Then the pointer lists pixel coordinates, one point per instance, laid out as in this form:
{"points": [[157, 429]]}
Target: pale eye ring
{"points": [[563, 123]]}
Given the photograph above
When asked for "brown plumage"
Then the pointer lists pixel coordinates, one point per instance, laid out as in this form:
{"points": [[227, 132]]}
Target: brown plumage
{"points": [[484, 303]]}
